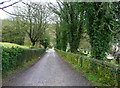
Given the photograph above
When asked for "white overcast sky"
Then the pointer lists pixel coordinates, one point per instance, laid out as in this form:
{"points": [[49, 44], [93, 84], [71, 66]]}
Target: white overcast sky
{"points": [[4, 15]]}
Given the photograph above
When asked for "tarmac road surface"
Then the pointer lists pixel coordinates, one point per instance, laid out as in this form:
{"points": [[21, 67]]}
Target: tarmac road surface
{"points": [[50, 70]]}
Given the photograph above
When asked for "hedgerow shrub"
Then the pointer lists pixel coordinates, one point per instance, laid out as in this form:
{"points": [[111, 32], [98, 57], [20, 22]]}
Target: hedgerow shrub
{"points": [[14, 56], [106, 72], [9, 57]]}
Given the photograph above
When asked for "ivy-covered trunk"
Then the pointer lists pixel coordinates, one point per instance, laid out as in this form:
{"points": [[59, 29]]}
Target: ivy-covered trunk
{"points": [[64, 35], [75, 26], [98, 30], [58, 39], [74, 40], [64, 40]]}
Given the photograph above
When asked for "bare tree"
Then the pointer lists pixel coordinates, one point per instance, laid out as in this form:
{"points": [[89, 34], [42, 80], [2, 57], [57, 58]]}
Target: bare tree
{"points": [[35, 17]]}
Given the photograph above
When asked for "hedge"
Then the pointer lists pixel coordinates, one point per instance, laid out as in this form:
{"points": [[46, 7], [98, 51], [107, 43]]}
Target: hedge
{"points": [[14, 56], [105, 71]]}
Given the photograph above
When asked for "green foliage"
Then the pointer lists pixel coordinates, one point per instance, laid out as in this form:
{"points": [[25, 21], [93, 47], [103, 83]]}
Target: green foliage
{"points": [[106, 73], [35, 20], [18, 68], [61, 36], [75, 25], [45, 42], [51, 34], [70, 25], [58, 37], [84, 43], [99, 22], [10, 45], [12, 32], [9, 56], [14, 56]]}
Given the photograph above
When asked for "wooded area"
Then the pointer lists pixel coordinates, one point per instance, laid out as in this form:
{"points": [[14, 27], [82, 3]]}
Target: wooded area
{"points": [[91, 29]]}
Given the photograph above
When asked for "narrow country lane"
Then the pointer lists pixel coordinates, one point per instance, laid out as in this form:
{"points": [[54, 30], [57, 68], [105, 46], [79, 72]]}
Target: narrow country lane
{"points": [[50, 70]]}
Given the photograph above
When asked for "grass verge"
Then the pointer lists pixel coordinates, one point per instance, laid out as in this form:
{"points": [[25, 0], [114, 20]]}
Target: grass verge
{"points": [[18, 69], [89, 76]]}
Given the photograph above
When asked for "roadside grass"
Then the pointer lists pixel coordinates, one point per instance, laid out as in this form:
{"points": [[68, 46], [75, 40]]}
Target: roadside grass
{"points": [[9, 45], [96, 81], [19, 68], [21, 57]]}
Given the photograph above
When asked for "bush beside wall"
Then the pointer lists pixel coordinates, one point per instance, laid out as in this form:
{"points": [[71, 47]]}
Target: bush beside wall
{"points": [[14, 56], [106, 72]]}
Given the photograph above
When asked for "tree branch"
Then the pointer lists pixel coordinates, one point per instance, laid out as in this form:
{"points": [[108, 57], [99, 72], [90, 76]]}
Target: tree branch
{"points": [[10, 4], [11, 13], [4, 2]]}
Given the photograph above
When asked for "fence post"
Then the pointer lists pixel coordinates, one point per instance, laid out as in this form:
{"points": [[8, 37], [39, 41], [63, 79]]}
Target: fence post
{"points": [[71, 59], [81, 61], [77, 58]]}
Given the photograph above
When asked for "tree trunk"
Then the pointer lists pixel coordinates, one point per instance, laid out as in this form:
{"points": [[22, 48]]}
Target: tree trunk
{"points": [[118, 58], [33, 43]]}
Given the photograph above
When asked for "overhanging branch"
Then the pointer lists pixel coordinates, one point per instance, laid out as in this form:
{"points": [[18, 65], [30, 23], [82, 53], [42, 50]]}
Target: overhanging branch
{"points": [[4, 2], [10, 4], [12, 13]]}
